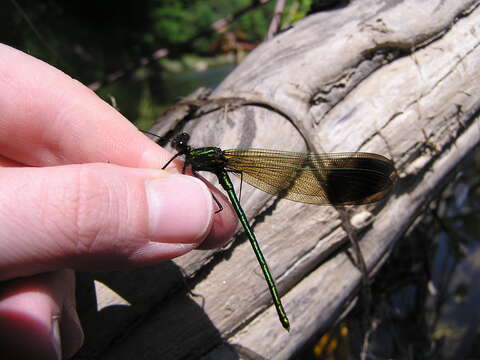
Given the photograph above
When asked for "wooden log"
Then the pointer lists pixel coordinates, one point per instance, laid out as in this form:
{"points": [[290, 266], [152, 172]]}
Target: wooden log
{"points": [[397, 78]]}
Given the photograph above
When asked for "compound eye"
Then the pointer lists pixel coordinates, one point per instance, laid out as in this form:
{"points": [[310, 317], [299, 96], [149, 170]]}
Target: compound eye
{"points": [[184, 138], [180, 141]]}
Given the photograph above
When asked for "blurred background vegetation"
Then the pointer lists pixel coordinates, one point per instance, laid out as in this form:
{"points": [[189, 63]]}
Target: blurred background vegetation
{"points": [[106, 44], [145, 55]]}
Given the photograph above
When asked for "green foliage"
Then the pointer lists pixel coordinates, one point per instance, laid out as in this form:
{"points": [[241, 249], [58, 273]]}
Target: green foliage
{"points": [[90, 39], [296, 10], [172, 24]]}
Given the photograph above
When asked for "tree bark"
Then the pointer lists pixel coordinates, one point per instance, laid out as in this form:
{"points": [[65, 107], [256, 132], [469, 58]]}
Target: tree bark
{"points": [[399, 78]]}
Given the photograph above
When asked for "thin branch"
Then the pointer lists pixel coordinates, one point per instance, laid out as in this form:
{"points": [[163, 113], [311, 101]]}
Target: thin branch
{"points": [[37, 33], [217, 26], [277, 17]]}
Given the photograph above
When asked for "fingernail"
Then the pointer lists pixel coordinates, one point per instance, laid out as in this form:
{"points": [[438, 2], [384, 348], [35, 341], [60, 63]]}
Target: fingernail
{"points": [[180, 209], [55, 337]]}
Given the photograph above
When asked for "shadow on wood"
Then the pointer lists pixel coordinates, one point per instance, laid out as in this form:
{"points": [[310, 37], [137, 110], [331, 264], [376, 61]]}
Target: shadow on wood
{"points": [[138, 299], [398, 78]]}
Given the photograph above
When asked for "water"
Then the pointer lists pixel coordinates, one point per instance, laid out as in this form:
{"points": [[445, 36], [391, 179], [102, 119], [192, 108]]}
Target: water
{"points": [[144, 96], [426, 299], [174, 87]]}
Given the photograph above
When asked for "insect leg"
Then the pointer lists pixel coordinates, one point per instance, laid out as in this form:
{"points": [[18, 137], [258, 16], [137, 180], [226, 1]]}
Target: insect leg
{"points": [[220, 207], [173, 158], [241, 182]]}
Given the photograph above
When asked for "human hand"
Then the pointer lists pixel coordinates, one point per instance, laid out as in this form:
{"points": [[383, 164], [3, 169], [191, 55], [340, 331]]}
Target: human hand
{"points": [[80, 189]]}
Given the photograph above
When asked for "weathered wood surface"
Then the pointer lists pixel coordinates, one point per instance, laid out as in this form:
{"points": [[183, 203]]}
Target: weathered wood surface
{"points": [[399, 78]]}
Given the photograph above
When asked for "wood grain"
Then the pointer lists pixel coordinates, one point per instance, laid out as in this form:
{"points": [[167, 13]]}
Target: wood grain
{"points": [[399, 78]]}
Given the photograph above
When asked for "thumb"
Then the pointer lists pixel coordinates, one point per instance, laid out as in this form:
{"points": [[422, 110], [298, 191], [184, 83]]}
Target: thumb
{"points": [[97, 216]]}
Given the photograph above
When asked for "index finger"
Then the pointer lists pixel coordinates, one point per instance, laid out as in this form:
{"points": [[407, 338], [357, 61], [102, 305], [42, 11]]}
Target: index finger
{"points": [[47, 118]]}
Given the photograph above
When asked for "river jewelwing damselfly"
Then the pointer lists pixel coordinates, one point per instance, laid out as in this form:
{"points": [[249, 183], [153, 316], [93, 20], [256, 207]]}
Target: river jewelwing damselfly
{"points": [[323, 179]]}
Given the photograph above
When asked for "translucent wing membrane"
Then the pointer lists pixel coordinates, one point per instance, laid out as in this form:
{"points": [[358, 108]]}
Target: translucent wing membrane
{"points": [[324, 179], [338, 179]]}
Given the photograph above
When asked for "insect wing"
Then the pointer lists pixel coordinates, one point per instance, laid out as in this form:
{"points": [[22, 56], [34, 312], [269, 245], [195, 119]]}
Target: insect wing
{"points": [[324, 179]]}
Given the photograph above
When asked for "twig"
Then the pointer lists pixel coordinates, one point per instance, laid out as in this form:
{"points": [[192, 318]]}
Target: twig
{"points": [[277, 16], [160, 53], [37, 33]]}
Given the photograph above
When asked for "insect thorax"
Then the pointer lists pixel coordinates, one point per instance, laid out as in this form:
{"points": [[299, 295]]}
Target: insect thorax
{"points": [[207, 159]]}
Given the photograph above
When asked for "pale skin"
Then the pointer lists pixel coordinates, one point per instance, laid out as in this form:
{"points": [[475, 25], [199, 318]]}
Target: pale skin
{"points": [[80, 188]]}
